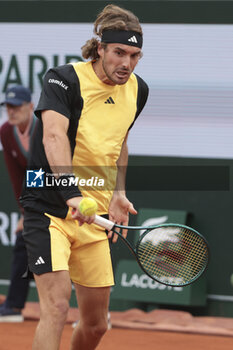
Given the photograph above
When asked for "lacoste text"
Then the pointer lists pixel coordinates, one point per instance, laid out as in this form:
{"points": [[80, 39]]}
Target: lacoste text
{"points": [[144, 282]]}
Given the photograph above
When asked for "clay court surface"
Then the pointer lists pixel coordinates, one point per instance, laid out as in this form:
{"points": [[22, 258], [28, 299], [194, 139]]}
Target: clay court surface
{"points": [[132, 330], [19, 336]]}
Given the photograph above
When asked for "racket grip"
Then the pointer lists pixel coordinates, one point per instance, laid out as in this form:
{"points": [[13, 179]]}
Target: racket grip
{"points": [[104, 222]]}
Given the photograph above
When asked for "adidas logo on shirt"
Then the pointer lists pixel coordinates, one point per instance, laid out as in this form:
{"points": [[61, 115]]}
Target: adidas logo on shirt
{"points": [[40, 261], [133, 39], [110, 101]]}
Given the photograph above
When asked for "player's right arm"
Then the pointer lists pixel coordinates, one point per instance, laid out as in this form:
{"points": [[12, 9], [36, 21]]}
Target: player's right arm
{"points": [[56, 142], [55, 109], [58, 153]]}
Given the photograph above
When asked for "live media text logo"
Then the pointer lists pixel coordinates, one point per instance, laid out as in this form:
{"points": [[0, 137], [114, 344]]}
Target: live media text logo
{"points": [[39, 178], [35, 178]]}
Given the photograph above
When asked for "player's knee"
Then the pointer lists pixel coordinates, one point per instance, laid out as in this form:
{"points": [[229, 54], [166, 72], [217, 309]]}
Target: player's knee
{"points": [[99, 330], [59, 310], [61, 307]]}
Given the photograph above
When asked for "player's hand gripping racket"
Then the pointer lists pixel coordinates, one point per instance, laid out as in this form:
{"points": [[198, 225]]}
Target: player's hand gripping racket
{"points": [[172, 254]]}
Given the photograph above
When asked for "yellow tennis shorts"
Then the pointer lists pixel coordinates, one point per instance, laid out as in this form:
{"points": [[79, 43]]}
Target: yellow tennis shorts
{"points": [[55, 244]]}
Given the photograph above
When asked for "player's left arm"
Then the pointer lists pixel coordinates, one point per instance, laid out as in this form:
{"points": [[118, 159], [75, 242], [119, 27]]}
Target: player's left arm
{"points": [[120, 206]]}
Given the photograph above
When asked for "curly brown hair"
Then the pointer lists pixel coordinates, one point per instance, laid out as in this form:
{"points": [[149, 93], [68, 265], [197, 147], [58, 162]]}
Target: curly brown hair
{"points": [[112, 17]]}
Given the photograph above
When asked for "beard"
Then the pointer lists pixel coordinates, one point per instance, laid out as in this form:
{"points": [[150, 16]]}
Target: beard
{"points": [[120, 76]]}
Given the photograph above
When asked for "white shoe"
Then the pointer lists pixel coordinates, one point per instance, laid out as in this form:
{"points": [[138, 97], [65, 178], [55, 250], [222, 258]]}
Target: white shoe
{"points": [[8, 314]]}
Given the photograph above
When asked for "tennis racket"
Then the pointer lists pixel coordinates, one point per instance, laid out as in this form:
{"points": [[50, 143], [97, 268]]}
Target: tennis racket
{"points": [[172, 254]]}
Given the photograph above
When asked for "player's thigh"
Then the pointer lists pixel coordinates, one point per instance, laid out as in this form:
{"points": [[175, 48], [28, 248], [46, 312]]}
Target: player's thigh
{"points": [[93, 304], [48, 248], [90, 262], [54, 289]]}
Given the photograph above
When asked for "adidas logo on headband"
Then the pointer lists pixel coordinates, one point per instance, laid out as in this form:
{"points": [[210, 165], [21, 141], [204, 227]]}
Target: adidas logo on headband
{"points": [[133, 39]]}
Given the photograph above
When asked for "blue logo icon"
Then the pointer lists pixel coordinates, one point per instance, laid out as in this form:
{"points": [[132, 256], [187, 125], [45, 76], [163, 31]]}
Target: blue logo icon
{"points": [[35, 178]]}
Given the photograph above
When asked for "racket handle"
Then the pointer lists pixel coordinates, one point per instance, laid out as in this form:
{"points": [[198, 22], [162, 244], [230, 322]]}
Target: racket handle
{"points": [[104, 222]]}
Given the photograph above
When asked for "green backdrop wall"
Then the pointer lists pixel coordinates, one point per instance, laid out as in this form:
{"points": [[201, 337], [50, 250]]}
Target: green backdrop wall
{"points": [[149, 11], [210, 212]]}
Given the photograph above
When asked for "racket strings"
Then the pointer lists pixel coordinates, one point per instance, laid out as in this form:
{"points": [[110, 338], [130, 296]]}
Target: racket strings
{"points": [[168, 255]]}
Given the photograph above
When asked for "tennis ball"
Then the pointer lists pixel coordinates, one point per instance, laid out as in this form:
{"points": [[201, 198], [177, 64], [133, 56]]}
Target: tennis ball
{"points": [[88, 206]]}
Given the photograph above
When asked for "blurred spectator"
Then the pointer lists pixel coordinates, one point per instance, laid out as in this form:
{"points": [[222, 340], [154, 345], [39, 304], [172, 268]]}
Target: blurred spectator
{"points": [[15, 136]]}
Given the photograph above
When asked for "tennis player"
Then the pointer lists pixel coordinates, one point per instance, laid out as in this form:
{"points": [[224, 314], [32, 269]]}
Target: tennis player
{"points": [[85, 113]]}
